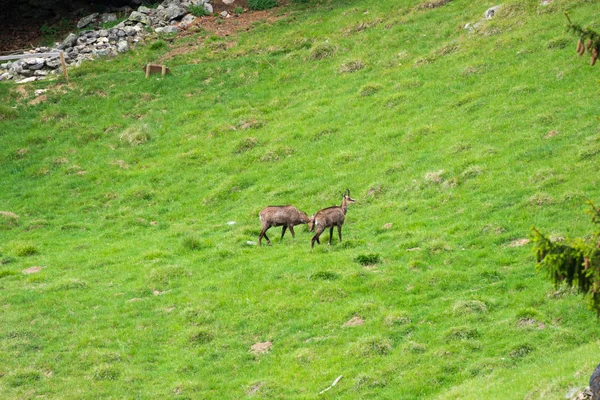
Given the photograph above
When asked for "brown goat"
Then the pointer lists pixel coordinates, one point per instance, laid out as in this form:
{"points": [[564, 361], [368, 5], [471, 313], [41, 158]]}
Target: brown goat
{"points": [[330, 217], [288, 216]]}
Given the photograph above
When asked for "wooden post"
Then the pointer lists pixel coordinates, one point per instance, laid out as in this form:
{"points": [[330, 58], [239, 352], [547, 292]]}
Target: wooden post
{"points": [[64, 66], [147, 70], [164, 70]]}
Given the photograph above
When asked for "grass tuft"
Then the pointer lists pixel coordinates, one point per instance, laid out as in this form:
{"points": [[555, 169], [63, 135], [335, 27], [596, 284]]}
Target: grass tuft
{"points": [[372, 346], [368, 259], [136, 135], [322, 51]]}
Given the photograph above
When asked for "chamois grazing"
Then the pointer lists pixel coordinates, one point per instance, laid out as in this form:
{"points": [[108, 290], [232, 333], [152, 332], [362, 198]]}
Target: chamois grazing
{"points": [[330, 217], [288, 216]]}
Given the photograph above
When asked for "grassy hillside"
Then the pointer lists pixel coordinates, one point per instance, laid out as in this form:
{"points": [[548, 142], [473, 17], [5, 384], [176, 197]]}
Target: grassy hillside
{"points": [[124, 190]]}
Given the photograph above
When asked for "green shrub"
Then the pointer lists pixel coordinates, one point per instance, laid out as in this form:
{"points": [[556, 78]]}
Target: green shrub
{"points": [[238, 10], [198, 10], [262, 4], [158, 45]]}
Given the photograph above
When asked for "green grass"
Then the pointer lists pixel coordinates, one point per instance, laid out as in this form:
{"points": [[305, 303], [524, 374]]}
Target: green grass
{"points": [[123, 189]]}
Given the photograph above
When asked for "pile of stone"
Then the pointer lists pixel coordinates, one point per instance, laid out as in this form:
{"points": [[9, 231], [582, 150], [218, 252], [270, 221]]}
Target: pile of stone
{"points": [[93, 41]]}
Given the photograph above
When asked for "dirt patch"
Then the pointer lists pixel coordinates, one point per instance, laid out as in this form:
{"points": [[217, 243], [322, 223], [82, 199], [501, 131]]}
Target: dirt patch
{"points": [[254, 388], [519, 243], [530, 322], [38, 100], [32, 270], [433, 4], [261, 347], [223, 27], [551, 134], [354, 321]]}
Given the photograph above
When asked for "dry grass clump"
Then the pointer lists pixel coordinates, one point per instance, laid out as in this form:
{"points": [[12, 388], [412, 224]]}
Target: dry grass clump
{"points": [[8, 220], [432, 4], [351, 66], [323, 50], [136, 135], [469, 307]]}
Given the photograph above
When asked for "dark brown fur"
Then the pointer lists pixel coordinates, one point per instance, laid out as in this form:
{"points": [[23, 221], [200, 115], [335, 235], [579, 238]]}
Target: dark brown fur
{"points": [[330, 217], [286, 216]]}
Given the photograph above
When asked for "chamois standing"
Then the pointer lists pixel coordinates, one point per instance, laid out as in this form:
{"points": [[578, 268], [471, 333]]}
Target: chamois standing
{"points": [[288, 216], [330, 217]]}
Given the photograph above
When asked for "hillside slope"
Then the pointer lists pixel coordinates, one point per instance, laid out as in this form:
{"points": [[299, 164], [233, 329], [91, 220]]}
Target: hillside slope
{"points": [[453, 142]]}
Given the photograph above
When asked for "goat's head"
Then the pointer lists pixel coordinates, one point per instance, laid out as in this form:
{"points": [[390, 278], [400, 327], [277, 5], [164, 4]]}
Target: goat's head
{"points": [[346, 197], [311, 223]]}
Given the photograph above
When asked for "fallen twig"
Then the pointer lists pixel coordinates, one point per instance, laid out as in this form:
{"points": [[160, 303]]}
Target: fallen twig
{"points": [[332, 385]]}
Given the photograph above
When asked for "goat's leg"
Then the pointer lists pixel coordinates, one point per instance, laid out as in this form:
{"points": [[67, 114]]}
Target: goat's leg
{"points": [[283, 232], [316, 237], [263, 233], [292, 231], [340, 232], [330, 234]]}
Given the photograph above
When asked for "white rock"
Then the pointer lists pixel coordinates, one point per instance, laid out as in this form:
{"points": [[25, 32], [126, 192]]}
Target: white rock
{"points": [[27, 80], [208, 8], [224, 14], [490, 12], [231, 223], [122, 46], [40, 91]]}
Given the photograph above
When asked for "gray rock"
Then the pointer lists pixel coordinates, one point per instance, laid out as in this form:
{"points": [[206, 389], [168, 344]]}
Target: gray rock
{"points": [[27, 80], [5, 65], [107, 17], [167, 29], [187, 21], [53, 63], [85, 50], [224, 14], [101, 52], [174, 12], [490, 12], [85, 21], [228, 2], [90, 40], [139, 17], [69, 41], [91, 35], [208, 8], [26, 72], [6, 76], [121, 33], [34, 61], [144, 10], [103, 33], [37, 66], [122, 46], [40, 72]]}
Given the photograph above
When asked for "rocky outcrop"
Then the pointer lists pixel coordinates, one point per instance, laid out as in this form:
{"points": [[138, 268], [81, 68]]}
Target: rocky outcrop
{"points": [[97, 41]]}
